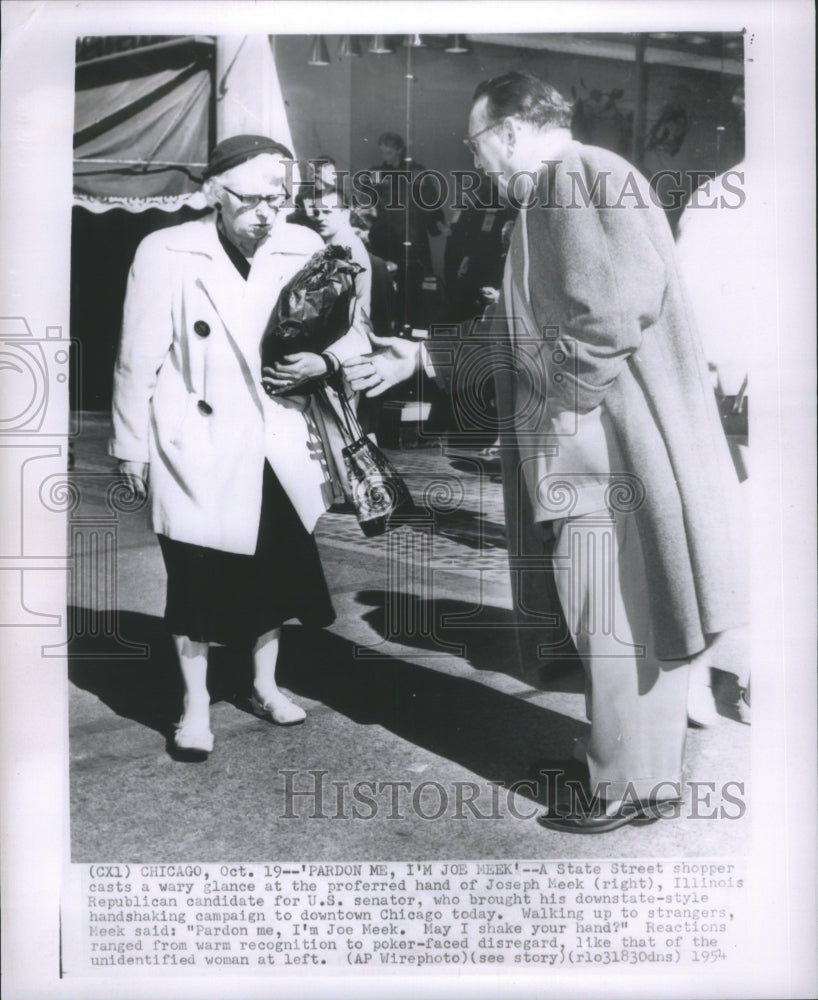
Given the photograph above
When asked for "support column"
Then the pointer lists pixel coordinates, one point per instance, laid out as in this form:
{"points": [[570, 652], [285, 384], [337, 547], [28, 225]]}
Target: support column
{"points": [[640, 112], [248, 92]]}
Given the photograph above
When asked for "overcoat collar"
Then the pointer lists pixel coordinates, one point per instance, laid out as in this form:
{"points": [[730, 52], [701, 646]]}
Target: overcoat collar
{"points": [[243, 306]]}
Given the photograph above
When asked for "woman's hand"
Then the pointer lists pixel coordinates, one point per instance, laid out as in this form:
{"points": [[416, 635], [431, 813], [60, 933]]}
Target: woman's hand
{"points": [[291, 371]]}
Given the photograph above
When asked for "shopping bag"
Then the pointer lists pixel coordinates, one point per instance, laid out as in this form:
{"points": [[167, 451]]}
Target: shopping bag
{"points": [[378, 492]]}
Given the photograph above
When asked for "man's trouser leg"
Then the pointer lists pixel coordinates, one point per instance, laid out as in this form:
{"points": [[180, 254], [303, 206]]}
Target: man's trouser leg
{"points": [[637, 704]]}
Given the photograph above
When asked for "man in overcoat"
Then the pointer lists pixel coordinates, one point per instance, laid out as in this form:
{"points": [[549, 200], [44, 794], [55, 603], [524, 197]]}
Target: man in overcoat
{"points": [[617, 483]]}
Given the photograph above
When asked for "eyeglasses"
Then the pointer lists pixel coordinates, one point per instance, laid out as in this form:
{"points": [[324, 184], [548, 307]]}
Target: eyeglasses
{"points": [[253, 200], [469, 140]]}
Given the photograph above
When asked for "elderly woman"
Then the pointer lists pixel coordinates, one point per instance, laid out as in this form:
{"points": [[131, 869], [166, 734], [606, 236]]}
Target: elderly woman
{"points": [[238, 476]]}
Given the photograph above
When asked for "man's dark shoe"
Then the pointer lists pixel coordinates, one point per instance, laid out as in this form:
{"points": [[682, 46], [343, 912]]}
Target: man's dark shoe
{"points": [[585, 815], [563, 788], [600, 822]]}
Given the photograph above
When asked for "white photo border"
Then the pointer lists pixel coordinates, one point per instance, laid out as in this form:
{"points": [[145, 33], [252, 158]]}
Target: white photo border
{"points": [[35, 227]]}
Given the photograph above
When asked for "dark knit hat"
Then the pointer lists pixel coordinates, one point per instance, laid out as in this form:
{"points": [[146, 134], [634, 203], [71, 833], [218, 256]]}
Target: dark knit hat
{"points": [[238, 149]]}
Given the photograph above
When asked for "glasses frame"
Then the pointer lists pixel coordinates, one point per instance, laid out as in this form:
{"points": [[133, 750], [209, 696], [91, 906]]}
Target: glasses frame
{"points": [[469, 143], [251, 201]]}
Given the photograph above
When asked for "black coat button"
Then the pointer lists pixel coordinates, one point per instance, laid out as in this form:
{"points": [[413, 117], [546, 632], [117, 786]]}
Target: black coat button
{"points": [[204, 408], [201, 328]]}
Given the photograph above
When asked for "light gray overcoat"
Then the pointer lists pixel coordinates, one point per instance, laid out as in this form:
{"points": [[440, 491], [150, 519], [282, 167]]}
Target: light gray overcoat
{"points": [[614, 345]]}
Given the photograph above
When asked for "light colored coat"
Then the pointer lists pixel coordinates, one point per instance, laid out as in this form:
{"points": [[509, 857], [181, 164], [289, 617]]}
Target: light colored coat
{"points": [[187, 386], [609, 352], [605, 280]]}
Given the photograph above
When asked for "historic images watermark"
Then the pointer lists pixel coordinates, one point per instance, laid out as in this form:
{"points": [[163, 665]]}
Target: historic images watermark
{"points": [[459, 190], [309, 794]]}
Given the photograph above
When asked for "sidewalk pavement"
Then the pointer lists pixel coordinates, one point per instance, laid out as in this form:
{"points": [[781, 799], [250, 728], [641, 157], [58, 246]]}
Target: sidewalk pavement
{"points": [[418, 719]]}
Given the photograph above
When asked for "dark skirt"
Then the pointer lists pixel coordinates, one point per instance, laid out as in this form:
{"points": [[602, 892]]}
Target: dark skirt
{"points": [[224, 597]]}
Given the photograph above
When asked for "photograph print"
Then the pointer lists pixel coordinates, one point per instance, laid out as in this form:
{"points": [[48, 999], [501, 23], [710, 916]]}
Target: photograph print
{"points": [[407, 504]]}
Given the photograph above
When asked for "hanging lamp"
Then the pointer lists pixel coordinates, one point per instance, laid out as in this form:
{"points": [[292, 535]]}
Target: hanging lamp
{"points": [[350, 46], [380, 47], [457, 46], [319, 54]]}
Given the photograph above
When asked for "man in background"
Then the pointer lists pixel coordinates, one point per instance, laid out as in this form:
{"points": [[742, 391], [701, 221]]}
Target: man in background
{"points": [[402, 225]]}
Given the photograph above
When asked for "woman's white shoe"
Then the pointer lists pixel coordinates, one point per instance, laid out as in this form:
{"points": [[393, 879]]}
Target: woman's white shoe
{"points": [[278, 709], [193, 737]]}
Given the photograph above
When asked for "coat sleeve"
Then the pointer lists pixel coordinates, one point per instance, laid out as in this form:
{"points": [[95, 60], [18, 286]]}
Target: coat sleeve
{"points": [[356, 340], [147, 336], [452, 360], [429, 195], [598, 277]]}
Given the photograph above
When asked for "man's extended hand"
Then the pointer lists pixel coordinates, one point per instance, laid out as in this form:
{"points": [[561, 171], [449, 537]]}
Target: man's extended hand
{"points": [[291, 371], [136, 476], [396, 361]]}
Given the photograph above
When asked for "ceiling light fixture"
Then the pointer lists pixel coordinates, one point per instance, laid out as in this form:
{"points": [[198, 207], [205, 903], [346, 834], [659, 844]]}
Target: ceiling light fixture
{"points": [[350, 46], [380, 47], [319, 54], [457, 46]]}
